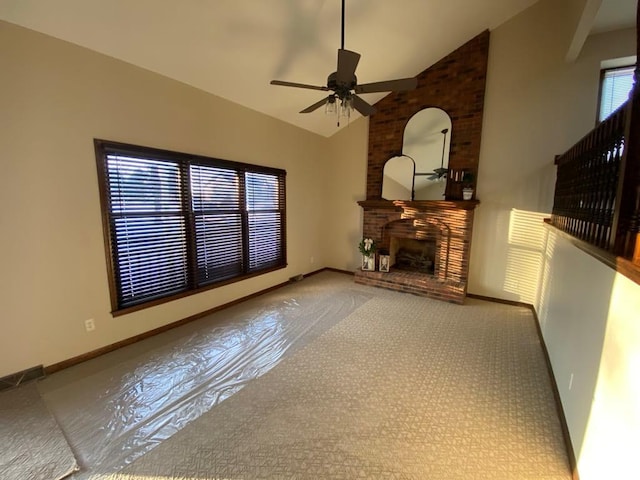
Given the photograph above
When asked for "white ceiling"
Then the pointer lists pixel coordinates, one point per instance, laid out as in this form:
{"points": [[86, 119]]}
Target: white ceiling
{"points": [[233, 48], [615, 15]]}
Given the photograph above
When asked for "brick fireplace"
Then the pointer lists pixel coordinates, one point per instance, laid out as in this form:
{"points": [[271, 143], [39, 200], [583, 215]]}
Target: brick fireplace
{"points": [[455, 84], [445, 224]]}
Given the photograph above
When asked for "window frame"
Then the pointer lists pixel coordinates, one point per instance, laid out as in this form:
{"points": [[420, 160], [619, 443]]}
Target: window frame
{"points": [[603, 73], [184, 160]]}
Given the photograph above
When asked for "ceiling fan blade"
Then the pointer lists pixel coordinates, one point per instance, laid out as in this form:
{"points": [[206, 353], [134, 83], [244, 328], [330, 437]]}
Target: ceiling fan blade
{"points": [[347, 63], [363, 107], [388, 86], [298, 85], [435, 175], [315, 106]]}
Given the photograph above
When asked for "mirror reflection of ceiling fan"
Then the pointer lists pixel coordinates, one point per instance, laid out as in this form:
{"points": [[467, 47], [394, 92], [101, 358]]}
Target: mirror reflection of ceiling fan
{"points": [[344, 85], [441, 172]]}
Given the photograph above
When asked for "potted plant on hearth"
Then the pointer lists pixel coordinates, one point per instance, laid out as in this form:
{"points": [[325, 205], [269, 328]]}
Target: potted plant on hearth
{"points": [[467, 185], [368, 248]]}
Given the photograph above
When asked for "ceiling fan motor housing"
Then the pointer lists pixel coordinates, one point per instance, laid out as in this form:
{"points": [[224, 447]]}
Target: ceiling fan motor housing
{"points": [[342, 89]]}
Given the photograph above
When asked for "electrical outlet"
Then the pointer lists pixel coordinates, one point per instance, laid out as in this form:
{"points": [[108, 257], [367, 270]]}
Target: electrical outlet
{"points": [[571, 381], [89, 325], [311, 260]]}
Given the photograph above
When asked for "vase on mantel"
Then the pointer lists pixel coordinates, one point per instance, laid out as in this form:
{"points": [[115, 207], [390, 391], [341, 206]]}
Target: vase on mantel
{"points": [[468, 179]]}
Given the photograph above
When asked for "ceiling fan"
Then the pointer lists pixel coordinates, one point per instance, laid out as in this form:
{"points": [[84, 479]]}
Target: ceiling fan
{"points": [[344, 85], [441, 172]]}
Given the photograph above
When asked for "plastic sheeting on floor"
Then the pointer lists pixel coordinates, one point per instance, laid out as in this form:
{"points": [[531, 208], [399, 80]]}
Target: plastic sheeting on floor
{"points": [[115, 408]]}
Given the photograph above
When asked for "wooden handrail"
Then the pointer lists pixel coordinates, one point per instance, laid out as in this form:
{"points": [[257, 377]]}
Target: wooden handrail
{"points": [[597, 197], [587, 182]]}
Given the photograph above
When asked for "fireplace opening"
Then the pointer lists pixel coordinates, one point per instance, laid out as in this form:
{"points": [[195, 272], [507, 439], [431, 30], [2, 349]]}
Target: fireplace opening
{"points": [[413, 255]]}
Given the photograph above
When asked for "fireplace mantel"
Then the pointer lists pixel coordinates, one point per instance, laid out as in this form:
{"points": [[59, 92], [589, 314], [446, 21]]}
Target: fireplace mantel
{"points": [[400, 205]]}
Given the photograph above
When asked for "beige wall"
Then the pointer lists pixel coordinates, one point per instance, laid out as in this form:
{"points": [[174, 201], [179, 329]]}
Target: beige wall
{"points": [[590, 319], [347, 167], [536, 106], [57, 97]]}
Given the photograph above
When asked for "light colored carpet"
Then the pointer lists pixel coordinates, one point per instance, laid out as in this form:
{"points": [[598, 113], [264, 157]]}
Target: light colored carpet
{"points": [[404, 387], [33, 446]]}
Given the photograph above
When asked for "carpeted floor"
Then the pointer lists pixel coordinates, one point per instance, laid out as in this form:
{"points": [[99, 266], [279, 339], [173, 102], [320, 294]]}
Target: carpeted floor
{"points": [[33, 446], [404, 387]]}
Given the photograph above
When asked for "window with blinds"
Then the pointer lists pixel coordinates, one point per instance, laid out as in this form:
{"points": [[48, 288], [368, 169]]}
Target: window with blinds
{"points": [[177, 224], [616, 83], [263, 215]]}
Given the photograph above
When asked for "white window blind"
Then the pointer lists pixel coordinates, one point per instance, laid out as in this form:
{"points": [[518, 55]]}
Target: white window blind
{"points": [[147, 227], [616, 85], [218, 223], [264, 214]]}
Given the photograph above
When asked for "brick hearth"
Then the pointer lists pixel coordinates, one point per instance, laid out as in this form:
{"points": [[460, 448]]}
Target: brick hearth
{"points": [[450, 221]]}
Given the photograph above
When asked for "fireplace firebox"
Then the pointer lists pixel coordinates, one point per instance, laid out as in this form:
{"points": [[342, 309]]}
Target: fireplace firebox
{"points": [[413, 255]]}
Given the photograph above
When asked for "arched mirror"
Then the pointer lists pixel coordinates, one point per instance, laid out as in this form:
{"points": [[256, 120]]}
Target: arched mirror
{"points": [[398, 178], [427, 139]]}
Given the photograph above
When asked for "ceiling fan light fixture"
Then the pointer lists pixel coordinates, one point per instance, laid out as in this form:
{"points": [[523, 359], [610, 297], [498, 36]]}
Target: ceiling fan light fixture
{"points": [[331, 107], [346, 105]]}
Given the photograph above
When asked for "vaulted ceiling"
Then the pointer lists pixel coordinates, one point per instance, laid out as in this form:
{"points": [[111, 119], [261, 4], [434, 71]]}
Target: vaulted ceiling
{"points": [[233, 48]]}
